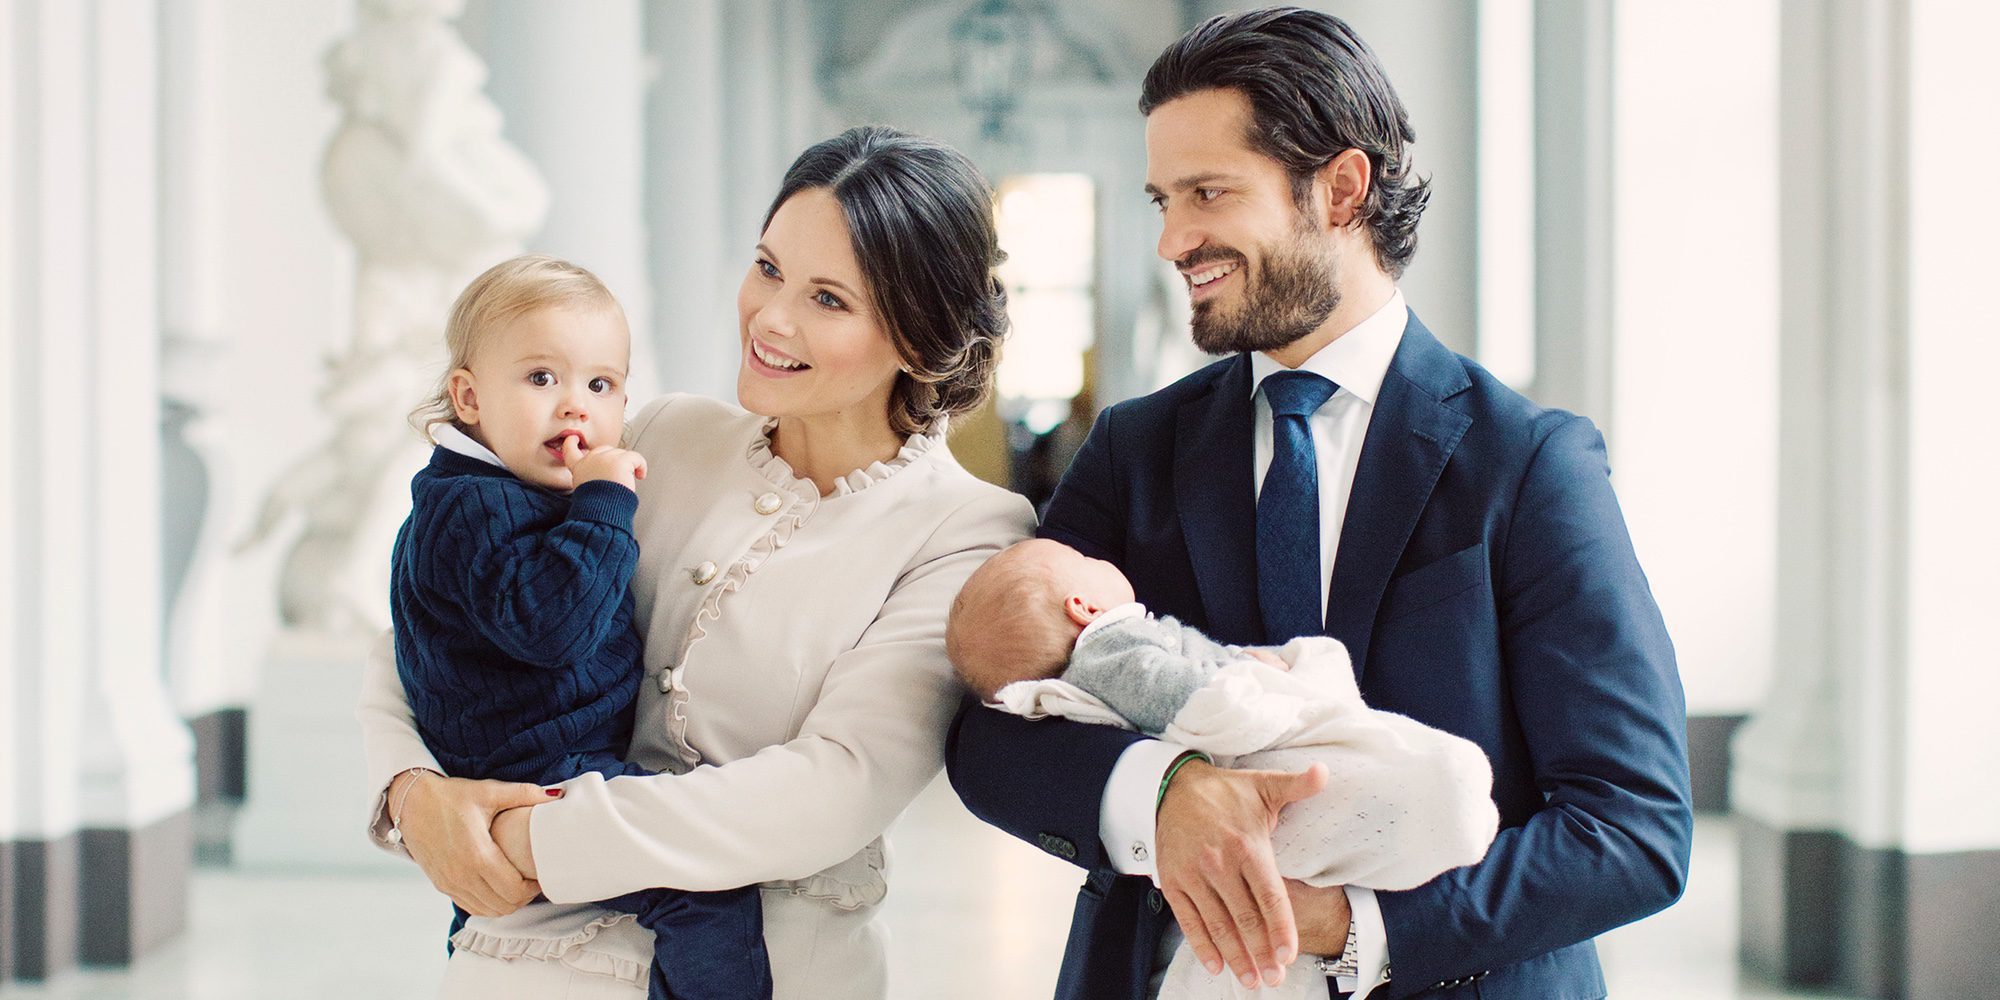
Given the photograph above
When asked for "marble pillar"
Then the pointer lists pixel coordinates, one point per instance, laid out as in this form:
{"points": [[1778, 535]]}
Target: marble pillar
{"points": [[101, 778], [207, 673], [570, 81], [1871, 823]]}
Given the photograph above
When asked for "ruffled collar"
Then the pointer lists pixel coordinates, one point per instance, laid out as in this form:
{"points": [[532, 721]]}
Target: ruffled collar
{"points": [[779, 471]]}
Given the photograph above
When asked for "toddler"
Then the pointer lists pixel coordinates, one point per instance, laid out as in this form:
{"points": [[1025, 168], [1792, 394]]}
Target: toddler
{"points": [[511, 581], [1043, 630]]}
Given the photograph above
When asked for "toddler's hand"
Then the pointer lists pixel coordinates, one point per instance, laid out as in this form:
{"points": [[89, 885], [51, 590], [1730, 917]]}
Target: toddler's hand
{"points": [[618, 465]]}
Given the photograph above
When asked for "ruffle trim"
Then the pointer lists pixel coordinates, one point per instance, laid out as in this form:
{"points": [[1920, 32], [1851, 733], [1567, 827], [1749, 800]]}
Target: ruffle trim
{"points": [[806, 500], [780, 473], [850, 885], [568, 950]]}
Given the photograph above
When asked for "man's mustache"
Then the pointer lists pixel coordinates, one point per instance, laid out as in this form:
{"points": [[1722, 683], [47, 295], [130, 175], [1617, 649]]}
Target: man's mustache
{"points": [[1200, 257]]}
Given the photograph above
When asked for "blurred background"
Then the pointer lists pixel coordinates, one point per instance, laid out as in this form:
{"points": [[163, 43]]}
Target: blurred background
{"points": [[1751, 239]]}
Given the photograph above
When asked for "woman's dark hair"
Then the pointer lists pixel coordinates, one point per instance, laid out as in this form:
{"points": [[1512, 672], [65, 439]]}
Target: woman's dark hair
{"points": [[1315, 91], [921, 220]]}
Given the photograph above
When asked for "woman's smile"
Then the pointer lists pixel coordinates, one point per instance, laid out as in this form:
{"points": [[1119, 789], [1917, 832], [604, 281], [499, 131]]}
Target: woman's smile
{"points": [[773, 363]]}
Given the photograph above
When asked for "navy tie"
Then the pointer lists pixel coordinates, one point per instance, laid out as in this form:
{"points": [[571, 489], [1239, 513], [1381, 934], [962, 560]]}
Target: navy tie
{"points": [[1288, 510]]}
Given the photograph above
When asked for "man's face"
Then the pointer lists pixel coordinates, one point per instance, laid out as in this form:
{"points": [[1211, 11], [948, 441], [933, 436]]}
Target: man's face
{"points": [[1260, 272]]}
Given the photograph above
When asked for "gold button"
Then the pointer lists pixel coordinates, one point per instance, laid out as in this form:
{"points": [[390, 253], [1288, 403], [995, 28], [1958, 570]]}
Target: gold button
{"points": [[769, 503], [704, 573]]}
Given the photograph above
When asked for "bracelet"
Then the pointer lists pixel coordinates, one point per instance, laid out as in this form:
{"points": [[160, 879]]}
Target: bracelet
{"points": [[396, 806], [1179, 762]]}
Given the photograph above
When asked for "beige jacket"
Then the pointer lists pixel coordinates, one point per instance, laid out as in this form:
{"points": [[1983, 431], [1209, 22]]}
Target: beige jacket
{"points": [[796, 686]]}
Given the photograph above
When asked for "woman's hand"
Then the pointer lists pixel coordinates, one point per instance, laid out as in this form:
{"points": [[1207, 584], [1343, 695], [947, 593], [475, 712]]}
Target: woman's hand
{"points": [[447, 823]]}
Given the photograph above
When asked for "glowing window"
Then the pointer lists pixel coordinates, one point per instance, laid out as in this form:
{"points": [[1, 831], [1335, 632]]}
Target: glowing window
{"points": [[1048, 226]]}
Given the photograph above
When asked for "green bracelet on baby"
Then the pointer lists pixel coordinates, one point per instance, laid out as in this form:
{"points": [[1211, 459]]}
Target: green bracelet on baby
{"points": [[1179, 762]]}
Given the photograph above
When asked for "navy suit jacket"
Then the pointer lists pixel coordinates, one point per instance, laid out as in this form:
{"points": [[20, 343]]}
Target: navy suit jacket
{"points": [[1485, 585]]}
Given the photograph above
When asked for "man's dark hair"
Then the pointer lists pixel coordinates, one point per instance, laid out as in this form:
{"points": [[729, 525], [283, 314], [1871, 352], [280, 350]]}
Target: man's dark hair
{"points": [[1315, 91]]}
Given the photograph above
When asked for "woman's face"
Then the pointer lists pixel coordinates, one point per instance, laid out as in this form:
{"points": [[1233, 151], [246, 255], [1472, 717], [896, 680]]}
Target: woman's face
{"points": [[813, 346]]}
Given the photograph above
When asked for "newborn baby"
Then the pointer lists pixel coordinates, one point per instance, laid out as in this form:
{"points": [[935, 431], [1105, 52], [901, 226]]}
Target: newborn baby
{"points": [[1044, 630]]}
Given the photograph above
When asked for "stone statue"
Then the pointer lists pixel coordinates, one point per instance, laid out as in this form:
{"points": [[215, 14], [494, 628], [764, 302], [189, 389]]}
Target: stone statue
{"points": [[420, 178]]}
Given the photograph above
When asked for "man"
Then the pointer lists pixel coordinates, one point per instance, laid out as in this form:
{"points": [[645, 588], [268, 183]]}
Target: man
{"points": [[1343, 473]]}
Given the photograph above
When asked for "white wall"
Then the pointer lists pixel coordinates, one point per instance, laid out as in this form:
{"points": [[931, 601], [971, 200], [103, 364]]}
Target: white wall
{"points": [[1693, 433]]}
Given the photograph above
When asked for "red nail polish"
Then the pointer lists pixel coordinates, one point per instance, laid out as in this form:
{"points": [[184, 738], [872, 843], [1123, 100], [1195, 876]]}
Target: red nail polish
{"points": [[553, 792]]}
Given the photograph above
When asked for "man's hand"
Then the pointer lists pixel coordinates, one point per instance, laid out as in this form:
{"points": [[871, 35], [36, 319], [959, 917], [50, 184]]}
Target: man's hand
{"points": [[1216, 868], [446, 826], [1323, 917], [620, 466], [1269, 657]]}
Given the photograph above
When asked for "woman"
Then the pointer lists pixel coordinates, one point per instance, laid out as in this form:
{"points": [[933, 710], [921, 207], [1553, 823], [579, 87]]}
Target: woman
{"points": [[797, 562]]}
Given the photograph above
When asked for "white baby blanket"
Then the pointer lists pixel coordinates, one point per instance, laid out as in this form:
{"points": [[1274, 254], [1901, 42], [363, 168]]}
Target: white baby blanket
{"points": [[1403, 802]]}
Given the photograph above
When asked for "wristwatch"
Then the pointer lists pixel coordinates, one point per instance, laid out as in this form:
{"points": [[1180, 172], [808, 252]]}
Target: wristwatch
{"points": [[1349, 962]]}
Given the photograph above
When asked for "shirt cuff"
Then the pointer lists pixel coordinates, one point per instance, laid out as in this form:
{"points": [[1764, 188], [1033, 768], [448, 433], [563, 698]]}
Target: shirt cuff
{"points": [[1125, 817], [1371, 942]]}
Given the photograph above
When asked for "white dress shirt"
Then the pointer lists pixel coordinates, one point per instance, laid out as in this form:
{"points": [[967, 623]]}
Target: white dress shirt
{"points": [[1356, 361]]}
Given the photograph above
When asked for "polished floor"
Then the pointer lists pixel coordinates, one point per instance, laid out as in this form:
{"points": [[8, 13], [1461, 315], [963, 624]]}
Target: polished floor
{"points": [[972, 915]]}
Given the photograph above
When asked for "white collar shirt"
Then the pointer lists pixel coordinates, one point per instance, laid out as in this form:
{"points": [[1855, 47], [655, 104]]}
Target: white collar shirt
{"points": [[450, 438], [1358, 362]]}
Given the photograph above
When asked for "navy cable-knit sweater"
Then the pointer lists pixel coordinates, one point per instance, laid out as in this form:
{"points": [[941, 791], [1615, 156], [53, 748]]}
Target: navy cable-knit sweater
{"points": [[513, 618]]}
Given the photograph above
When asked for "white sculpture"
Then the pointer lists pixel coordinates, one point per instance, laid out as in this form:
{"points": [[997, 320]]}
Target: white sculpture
{"points": [[420, 178]]}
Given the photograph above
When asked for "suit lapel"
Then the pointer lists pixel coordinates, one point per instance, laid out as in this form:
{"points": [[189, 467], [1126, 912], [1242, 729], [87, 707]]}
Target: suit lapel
{"points": [[1410, 437], [1213, 465]]}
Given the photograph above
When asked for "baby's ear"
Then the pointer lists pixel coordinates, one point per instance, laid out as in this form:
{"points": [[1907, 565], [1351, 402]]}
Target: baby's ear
{"points": [[1081, 611], [464, 403]]}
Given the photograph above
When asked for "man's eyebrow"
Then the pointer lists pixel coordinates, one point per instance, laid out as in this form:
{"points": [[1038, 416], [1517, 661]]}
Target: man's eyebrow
{"points": [[1190, 181]]}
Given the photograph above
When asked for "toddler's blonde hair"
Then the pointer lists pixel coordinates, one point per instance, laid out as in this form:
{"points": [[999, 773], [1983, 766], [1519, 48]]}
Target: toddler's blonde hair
{"points": [[506, 291]]}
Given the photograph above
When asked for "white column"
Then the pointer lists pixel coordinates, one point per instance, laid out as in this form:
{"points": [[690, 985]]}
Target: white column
{"points": [[1954, 537], [100, 771], [570, 81], [1430, 49], [1694, 359], [137, 754], [1574, 225], [732, 100], [1871, 823], [11, 147], [688, 210], [48, 264], [204, 669], [1505, 158]]}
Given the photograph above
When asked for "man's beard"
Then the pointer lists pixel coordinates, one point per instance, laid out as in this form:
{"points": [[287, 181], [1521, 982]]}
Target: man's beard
{"points": [[1295, 288]]}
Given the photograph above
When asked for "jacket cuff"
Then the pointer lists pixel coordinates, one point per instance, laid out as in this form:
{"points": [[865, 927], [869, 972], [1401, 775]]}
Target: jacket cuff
{"points": [[604, 502]]}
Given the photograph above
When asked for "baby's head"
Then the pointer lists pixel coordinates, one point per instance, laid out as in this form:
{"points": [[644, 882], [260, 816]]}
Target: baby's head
{"points": [[1019, 615], [539, 352]]}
